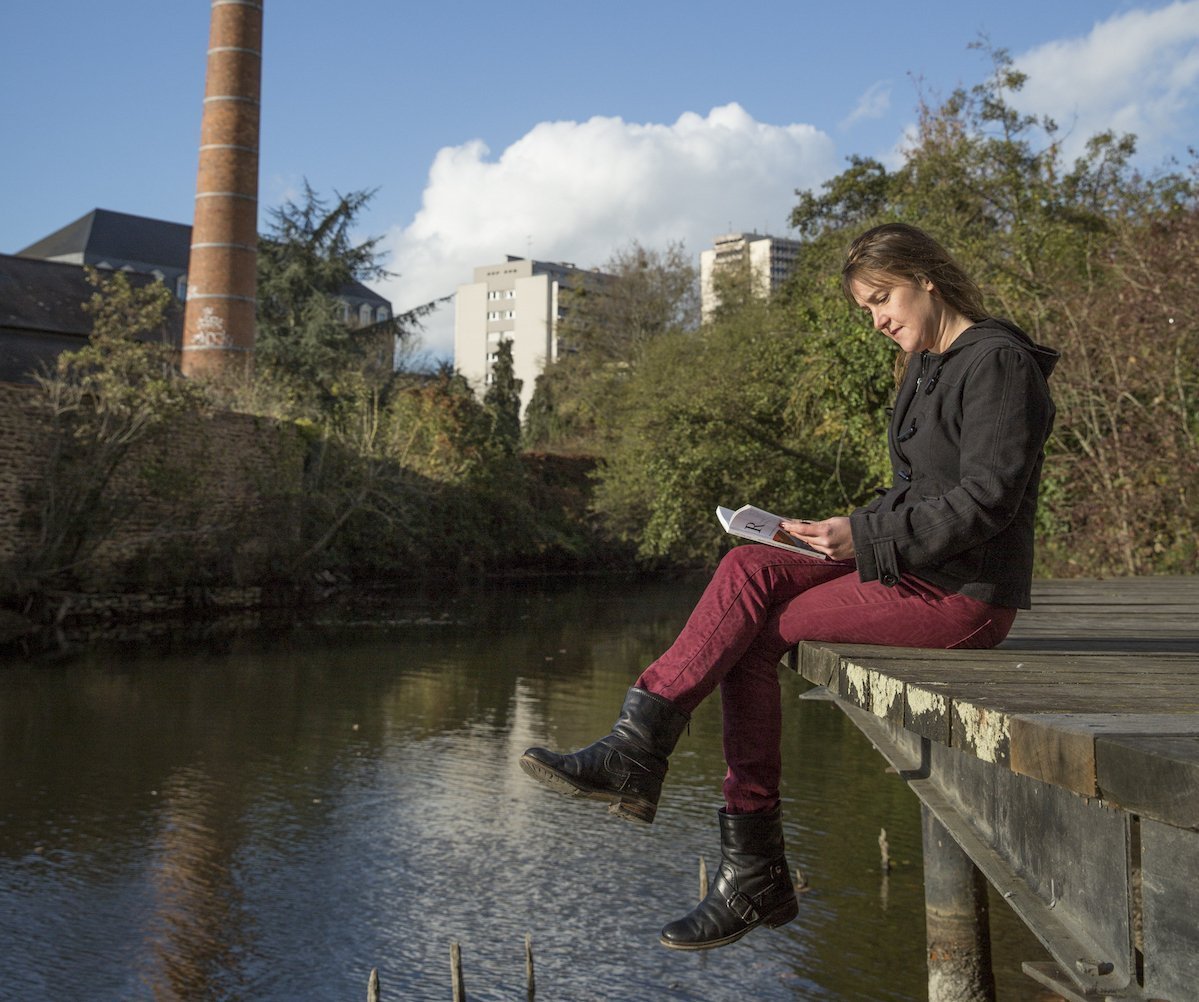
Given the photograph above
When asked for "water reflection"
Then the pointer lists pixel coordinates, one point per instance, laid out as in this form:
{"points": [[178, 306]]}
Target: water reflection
{"points": [[274, 814]]}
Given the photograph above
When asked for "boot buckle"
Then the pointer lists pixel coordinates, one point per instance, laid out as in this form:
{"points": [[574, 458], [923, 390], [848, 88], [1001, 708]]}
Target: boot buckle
{"points": [[742, 906]]}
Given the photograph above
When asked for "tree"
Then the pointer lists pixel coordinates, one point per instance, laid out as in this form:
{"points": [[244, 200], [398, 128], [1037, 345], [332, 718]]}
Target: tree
{"points": [[502, 399], [103, 400], [1124, 488], [644, 294], [608, 323], [305, 260], [705, 419], [786, 402], [1077, 254]]}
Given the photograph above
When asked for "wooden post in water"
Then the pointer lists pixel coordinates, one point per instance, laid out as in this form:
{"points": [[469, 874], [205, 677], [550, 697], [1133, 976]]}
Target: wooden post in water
{"points": [[372, 986], [529, 979], [957, 929], [458, 989]]}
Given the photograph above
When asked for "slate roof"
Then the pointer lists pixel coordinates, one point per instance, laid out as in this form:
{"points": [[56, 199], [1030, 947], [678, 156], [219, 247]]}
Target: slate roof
{"points": [[41, 301], [119, 236], [45, 296], [356, 290], [41, 313], [103, 233]]}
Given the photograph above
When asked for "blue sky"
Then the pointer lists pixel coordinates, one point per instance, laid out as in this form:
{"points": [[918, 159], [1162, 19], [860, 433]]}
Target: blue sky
{"points": [[563, 131]]}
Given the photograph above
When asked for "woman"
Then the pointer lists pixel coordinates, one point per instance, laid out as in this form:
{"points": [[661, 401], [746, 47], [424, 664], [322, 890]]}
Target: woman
{"points": [[943, 558]]}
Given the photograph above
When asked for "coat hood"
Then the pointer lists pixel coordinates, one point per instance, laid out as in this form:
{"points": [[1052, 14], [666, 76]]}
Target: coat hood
{"points": [[997, 328]]}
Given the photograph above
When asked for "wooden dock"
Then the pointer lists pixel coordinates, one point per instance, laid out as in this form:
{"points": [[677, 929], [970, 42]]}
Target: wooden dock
{"points": [[1065, 766]]}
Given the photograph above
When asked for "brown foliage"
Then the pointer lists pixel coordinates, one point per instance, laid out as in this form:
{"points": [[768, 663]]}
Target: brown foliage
{"points": [[1125, 468]]}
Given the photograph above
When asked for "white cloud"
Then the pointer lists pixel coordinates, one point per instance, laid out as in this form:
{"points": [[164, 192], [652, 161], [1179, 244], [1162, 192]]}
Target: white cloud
{"points": [[1136, 72], [874, 103], [577, 191]]}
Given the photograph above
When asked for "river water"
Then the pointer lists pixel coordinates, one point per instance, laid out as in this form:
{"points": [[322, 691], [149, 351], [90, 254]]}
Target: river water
{"points": [[270, 814]]}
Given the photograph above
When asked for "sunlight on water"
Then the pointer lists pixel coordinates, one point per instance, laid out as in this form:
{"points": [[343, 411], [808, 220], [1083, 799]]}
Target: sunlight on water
{"points": [[270, 816]]}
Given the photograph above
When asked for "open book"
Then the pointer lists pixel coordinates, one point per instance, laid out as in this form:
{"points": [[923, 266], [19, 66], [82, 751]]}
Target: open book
{"points": [[753, 523]]}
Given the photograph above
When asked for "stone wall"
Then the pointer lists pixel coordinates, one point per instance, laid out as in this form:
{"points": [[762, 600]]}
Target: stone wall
{"points": [[214, 503], [22, 464]]}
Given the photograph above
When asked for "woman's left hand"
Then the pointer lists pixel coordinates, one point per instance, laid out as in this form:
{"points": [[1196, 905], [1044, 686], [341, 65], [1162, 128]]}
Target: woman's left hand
{"points": [[831, 535]]}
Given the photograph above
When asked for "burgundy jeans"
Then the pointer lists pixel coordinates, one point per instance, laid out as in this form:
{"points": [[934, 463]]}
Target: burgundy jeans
{"points": [[763, 600]]}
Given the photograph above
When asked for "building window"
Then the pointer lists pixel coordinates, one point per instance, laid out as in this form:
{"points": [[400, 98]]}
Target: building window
{"points": [[493, 315], [364, 315], [181, 287], [494, 294], [510, 315], [382, 313], [510, 294]]}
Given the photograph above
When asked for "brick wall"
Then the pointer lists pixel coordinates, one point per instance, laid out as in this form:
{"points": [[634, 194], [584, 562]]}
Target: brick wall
{"points": [[22, 463], [212, 503]]}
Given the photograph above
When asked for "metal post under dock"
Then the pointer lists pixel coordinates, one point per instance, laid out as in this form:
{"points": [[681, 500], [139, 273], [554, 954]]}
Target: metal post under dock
{"points": [[1065, 764]]}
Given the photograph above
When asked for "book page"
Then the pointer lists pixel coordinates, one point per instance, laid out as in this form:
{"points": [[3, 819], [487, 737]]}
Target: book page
{"points": [[755, 523]]}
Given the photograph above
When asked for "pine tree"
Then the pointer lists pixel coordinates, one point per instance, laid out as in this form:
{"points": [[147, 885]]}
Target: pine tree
{"points": [[502, 399]]}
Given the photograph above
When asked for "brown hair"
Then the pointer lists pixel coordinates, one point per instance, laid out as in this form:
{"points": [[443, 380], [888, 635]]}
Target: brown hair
{"points": [[898, 250]]}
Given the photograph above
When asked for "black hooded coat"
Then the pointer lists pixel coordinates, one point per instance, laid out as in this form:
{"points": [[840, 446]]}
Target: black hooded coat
{"points": [[967, 440]]}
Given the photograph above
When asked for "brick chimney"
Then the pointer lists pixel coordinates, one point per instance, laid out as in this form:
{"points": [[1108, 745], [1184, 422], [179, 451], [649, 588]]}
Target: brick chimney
{"points": [[218, 323]]}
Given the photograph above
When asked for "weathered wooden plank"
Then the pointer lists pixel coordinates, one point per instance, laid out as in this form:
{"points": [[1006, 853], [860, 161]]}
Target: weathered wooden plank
{"points": [[1032, 669], [981, 731], [1040, 657], [1059, 748], [1123, 646], [981, 723], [926, 712], [1154, 775], [877, 691], [1143, 585], [975, 716], [1050, 641], [1170, 910], [1105, 625], [818, 664], [1058, 697], [1054, 748]]}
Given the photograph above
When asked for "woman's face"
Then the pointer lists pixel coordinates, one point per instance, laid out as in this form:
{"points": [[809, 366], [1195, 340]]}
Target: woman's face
{"points": [[906, 311]]}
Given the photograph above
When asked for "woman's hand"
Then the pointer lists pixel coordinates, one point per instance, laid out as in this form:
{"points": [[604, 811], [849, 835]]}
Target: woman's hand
{"points": [[832, 535]]}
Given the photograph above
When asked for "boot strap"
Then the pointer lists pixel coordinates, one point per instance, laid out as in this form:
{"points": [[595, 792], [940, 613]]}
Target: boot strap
{"points": [[743, 906], [644, 760]]}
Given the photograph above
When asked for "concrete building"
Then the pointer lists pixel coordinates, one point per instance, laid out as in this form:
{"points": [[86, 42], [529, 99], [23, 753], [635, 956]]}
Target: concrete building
{"points": [[518, 301], [766, 260]]}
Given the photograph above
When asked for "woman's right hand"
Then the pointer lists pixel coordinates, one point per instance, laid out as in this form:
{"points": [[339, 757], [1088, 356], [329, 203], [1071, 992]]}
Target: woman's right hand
{"points": [[831, 536]]}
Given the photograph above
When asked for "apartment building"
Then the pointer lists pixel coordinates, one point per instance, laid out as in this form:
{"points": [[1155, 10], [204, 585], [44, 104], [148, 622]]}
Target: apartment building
{"points": [[517, 300], [766, 260]]}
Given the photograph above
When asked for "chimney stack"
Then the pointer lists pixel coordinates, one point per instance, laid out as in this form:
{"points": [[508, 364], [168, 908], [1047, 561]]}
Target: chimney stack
{"points": [[218, 324]]}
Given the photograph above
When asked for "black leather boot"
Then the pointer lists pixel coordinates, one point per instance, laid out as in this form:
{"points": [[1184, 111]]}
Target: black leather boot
{"points": [[625, 768], [752, 888]]}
